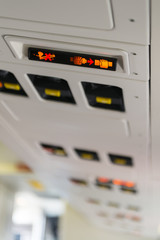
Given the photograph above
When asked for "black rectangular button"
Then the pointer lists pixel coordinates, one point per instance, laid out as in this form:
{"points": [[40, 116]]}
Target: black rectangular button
{"points": [[51, 88], [128, 190], [9, 84], [103, 183], [80, 182], [54, 150], [121, 160], [87, 155], [104, 96]]}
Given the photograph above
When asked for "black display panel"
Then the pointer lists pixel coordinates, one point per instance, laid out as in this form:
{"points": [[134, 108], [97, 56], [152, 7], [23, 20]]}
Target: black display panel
{"points": [[70, 58]]}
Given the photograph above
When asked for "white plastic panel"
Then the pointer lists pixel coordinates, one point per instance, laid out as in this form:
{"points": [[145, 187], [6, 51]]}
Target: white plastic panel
{"points": [[56, 182], [135, 94], [155, 90], [104, 131], [107, 218], [20, 47], [89, 19], [56, 121], [80, 194], [129, 58], [86, 14]]}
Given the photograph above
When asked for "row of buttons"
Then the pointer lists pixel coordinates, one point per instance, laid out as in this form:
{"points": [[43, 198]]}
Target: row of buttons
{"points": [[120, 216], [112, 204], [106, 183], [57, 89], [88, 155]]}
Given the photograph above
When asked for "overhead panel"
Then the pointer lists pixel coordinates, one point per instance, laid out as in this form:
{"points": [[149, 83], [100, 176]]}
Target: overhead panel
{"points": [[126, 59], [104, 130], [122, 20], [83, 123], [95, 15]]}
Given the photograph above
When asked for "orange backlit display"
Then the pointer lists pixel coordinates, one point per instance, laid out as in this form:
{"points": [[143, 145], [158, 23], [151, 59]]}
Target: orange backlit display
{"points": [[103, 180], [123, 183], [129, 184], [117, 182], [45, 56], [70, 58]]}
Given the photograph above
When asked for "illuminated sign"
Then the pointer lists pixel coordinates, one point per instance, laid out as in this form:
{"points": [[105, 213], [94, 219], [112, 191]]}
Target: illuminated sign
{"points": [[103, 180], [123, 183], [70, 58]]}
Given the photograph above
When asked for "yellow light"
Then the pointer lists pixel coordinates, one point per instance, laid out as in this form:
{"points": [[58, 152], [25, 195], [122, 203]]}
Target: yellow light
{"points": [[37, 185], [120, 161], [12, 86], [60, 152], [104, 100], [87, 156], [52, 92]]}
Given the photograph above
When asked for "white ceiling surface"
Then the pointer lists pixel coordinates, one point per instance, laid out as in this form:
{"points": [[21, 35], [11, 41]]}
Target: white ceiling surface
{"points": [[121, 29]]}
